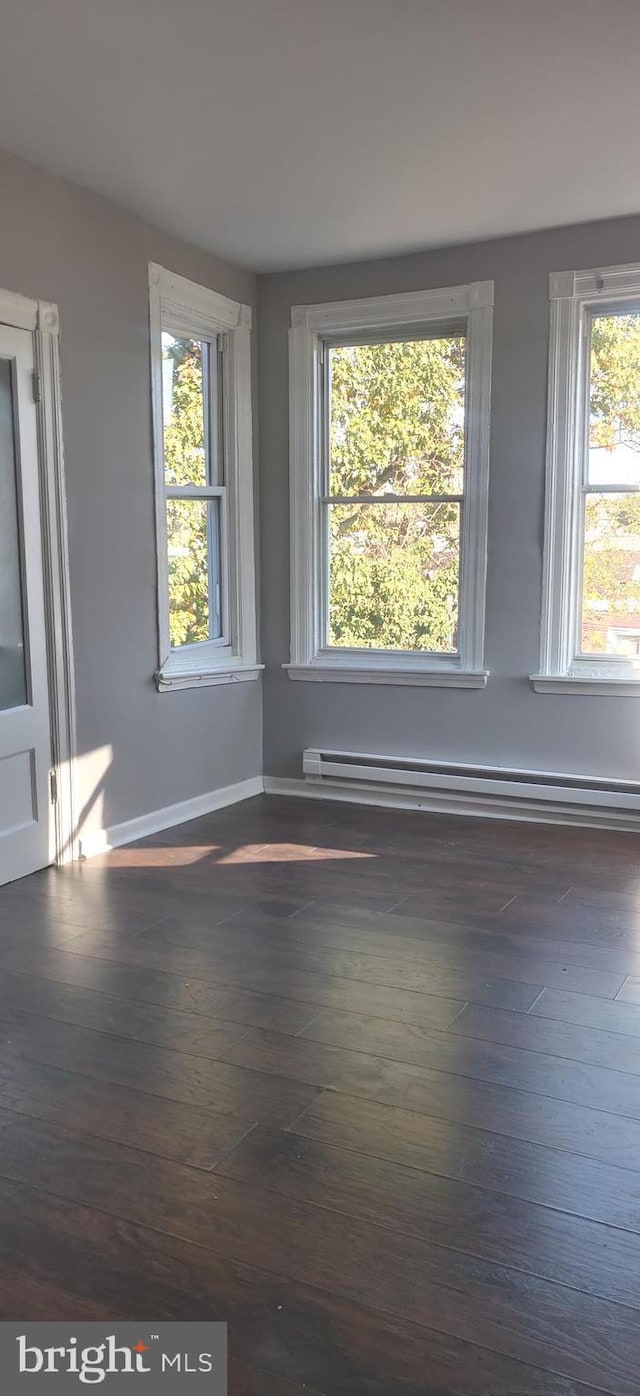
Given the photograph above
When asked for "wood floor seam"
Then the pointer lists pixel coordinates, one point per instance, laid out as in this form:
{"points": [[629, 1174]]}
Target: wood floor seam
{"points": [[536, 1000], [218, 1168]]}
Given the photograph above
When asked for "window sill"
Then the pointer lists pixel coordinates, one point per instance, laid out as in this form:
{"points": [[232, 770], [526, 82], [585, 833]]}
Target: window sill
{"points": [[362, 673], [588, 685], [170, 680]]}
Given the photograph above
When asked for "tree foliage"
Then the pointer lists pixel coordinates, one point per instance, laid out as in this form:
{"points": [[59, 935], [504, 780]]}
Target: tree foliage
{"points": [[185, 464], [614, 401], [396, 427], [611, 579]]}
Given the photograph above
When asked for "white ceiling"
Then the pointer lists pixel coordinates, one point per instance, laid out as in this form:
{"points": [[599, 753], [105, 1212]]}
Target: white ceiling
{"points": [[282, 133]]}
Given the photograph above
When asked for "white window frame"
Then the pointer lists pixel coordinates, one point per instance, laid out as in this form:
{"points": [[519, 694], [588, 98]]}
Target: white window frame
{"points": [[183, 307], [447, 308], [574, 295]]}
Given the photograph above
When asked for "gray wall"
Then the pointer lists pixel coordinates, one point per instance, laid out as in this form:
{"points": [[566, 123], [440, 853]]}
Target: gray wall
{"points": [[506, 722], [139, 750]]}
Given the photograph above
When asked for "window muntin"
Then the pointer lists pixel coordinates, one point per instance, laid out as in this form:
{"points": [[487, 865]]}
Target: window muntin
{"points": [[195, 497], [609, 595], [394, 428]]}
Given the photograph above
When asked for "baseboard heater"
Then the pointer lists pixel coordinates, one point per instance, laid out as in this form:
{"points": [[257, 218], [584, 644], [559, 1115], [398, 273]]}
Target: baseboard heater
{"points": [[498, 791]]}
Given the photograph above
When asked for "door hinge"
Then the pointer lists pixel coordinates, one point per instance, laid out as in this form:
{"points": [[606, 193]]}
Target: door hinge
{"points": [[35, 383], [53, 787]]}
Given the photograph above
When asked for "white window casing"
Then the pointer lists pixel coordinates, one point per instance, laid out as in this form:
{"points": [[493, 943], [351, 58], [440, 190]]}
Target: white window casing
{"points": [[311, 659], [182, 307], [574, 296]]}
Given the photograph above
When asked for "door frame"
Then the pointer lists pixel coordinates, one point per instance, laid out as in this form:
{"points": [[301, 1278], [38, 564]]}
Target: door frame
{"points": [[43, 321]]}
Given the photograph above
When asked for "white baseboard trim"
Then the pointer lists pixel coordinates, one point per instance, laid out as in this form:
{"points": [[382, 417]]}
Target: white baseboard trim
{"points": [[101, 840], [481, 806]]}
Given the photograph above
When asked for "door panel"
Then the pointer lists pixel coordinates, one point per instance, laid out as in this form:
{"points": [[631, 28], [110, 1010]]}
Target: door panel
{"points": [[13, 685], [25, 742], [17, 807]]}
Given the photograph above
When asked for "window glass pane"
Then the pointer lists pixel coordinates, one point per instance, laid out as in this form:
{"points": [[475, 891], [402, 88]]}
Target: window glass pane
{"points": [[611, 581], [614, 400], [193, 538], [393, 576], [184, 410], [13, 683], [397, 417]]}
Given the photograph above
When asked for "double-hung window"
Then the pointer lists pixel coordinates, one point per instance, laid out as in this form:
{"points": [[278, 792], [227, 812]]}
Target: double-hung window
{"points": [[201, 388], [389, 405], [591, 602]]}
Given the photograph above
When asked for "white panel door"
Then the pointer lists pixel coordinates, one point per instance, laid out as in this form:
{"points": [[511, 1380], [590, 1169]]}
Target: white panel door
{"points": [[25, 739]]}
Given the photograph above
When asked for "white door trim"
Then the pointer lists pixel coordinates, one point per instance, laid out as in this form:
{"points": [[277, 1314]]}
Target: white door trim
{"points": [[42, 319]]}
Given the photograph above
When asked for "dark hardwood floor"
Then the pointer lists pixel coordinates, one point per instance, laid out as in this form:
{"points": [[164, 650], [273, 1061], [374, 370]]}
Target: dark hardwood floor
{"points": [[365, 1084]]}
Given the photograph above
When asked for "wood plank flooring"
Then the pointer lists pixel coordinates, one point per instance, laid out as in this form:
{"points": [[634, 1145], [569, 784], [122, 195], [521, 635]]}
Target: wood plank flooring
{"points": [[364, 1084]]}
